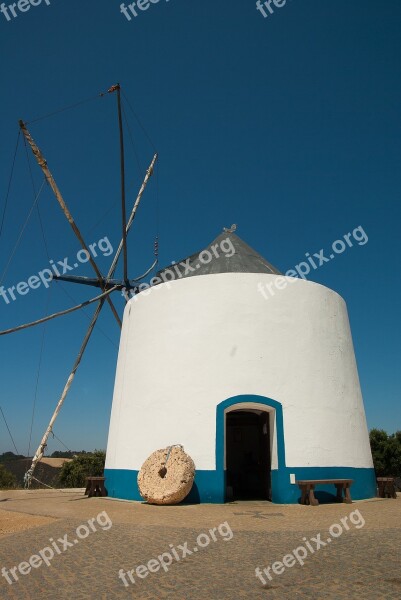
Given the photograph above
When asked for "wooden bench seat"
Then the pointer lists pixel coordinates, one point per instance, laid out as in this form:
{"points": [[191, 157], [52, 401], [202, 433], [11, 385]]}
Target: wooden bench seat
{"points": [[307, 487], [95, 487], [386, 487]]}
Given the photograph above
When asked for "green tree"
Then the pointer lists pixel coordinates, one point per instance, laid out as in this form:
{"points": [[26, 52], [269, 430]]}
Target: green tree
{"points": [[7, 479], [9, 456], [62, 454], [386, 452], [392, 456], [90, 464]]}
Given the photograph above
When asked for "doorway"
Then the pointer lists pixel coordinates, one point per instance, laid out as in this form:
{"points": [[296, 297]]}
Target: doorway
{"points": [[248, 462]]}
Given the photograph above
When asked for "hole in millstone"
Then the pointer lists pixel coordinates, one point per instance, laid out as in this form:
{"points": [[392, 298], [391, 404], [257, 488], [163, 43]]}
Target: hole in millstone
{"points": [[163, 472]]}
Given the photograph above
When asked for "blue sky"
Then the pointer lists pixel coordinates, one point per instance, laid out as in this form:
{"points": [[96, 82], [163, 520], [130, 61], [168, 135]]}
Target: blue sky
{"points": [[287, 125]]}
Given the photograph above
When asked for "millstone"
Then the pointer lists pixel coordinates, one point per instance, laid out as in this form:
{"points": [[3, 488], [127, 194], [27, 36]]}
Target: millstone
{"points": [[167, 476]]}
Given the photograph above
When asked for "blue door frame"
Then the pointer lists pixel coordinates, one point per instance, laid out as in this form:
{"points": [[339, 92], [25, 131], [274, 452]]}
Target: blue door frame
{"points": [[220, 437]]}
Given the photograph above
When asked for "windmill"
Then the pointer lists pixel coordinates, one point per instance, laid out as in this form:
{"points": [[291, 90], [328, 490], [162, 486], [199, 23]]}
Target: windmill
{"points": [[106, 283]]}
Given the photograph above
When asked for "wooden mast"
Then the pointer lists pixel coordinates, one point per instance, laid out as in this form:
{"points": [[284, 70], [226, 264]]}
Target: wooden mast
{"points": [[122, 170]]}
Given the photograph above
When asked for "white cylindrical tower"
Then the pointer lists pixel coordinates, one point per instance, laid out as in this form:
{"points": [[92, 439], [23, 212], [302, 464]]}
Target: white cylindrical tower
{"points": [[252, 372]]}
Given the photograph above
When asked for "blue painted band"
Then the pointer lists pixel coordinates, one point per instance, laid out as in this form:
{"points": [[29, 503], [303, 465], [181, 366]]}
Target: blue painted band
{"points": [[209, 486]]}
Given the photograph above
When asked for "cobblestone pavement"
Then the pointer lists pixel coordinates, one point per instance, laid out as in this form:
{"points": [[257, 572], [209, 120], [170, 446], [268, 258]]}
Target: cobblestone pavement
{"points": [[362, 562]]}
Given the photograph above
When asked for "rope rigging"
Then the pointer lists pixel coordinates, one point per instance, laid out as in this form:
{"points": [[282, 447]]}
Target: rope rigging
{"points": [[139, 122], [131, 138], [62, 443], [9, 184], [140, 168], [8, 429], [64, 109], [22, 232]]}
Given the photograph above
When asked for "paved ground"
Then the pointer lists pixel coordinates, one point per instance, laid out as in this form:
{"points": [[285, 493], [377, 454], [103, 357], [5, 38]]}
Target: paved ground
{"points": [[364, 561]]}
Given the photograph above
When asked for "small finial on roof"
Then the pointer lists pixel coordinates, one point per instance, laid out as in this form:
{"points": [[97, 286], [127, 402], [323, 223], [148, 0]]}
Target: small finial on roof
{"points": [[230, 229]]}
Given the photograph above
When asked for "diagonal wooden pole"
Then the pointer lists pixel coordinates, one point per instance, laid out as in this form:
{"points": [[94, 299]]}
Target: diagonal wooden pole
{"points": [[42, 446], [59, 314], [148, 175], [50, 179], [40, 451]]}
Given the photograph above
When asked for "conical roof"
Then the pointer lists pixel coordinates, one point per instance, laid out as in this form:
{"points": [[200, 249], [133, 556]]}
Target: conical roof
{"points": [[226, 254]]}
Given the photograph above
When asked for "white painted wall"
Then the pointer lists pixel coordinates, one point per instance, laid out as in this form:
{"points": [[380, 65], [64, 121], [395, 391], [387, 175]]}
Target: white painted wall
{"points": [[189, 344]]}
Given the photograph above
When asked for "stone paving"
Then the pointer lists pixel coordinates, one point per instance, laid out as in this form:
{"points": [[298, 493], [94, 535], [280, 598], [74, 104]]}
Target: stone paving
{"points": [[362, 562]]}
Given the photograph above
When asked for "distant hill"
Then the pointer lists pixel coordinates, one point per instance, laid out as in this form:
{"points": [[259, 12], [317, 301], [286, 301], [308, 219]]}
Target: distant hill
{"points": [[47, 470], [9, 456]]}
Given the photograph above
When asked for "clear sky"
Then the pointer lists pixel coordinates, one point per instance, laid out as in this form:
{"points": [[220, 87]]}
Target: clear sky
{"points": [[287, 126]]}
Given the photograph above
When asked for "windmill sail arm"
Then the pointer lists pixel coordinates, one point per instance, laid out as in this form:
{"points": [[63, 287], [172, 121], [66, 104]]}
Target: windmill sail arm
{"points": [[116, 283], [85, 281], [148, 175], [50, 179], [59, 314], [40, 451]]}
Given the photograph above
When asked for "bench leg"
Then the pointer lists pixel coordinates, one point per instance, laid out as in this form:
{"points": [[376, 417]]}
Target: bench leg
{"points": [[308, 496], [312, 499], [347, 493], [347, 496], [339, 488], [99, 490], [389, 490]]}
